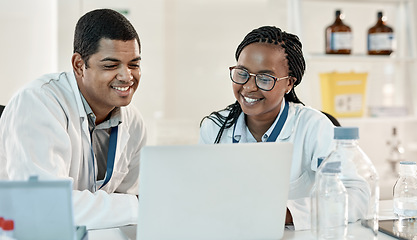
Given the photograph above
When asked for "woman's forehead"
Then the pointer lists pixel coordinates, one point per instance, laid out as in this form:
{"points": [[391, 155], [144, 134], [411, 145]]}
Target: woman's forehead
{"points": [[265, 54]]}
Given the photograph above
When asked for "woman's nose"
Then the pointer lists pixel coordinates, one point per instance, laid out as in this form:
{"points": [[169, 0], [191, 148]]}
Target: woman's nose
{"points": [[250, 85]]}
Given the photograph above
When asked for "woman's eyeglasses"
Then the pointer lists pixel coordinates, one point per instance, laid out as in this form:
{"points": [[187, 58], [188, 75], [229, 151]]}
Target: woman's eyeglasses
{"points": [[263, 81]]}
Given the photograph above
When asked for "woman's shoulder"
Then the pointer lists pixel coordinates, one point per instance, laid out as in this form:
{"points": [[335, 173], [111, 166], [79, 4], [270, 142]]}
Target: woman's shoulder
{"points": [[308, 113]]}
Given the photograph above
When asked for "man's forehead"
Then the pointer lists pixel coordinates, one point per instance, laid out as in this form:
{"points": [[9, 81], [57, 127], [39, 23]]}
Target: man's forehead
{"points": [[110, 47]]}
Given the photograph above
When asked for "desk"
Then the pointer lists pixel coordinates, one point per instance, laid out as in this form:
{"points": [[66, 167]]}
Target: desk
{"points": [[129, 232]]}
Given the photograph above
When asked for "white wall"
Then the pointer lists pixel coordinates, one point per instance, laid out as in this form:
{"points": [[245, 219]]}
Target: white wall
{"points": [[187, 47], [28, 42]]}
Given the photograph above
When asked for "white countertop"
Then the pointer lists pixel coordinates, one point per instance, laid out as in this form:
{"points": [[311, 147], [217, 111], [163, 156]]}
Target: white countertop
{"points": [[129, 232]]}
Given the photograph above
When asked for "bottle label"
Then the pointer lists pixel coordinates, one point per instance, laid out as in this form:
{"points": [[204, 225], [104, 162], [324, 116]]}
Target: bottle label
{"points": [[380, 41], [348, 103], [341, 40]]}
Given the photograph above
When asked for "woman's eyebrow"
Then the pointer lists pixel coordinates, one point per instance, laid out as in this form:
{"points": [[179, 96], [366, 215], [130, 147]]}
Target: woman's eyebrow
{"points": [[262, 71]]}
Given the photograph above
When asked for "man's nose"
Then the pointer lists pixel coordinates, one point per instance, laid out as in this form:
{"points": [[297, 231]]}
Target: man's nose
{"points": [[124, 74]]}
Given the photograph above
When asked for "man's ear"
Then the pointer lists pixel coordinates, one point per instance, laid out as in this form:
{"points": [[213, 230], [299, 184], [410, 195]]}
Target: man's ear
{"points": [[77, 65]]}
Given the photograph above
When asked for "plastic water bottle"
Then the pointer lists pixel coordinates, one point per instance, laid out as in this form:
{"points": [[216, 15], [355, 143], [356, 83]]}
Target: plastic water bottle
{"points": [[332, 208], [313, 199], [360, 179], [405, 191], [1, 226], [8, 230]]}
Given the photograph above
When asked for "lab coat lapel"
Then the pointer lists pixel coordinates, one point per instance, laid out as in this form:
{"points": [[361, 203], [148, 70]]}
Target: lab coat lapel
{"points": [[86, 139], [122, 138], [289, 125], [80, 106]]}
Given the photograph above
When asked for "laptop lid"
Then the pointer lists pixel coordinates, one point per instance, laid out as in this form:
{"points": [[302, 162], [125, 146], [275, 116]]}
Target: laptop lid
{"points": [[227, 191], [39, 209]]}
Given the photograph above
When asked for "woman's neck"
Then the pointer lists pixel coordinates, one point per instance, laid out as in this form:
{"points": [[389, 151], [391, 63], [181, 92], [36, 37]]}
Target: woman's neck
{"points": [[258, 127]]}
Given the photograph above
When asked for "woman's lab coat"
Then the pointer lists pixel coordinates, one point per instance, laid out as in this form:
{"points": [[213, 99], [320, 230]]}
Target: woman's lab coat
{"points": [[44, 131], [311, 133]]}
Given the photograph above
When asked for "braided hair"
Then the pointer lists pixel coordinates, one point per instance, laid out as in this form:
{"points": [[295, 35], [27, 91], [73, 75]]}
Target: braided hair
{"points": [[293, 49]]}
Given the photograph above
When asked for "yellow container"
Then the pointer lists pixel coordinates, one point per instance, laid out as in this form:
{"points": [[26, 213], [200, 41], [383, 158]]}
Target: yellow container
{"points": [[343, 94]]}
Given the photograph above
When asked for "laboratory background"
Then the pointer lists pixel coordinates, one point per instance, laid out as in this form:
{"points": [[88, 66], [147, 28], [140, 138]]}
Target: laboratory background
{"points": [[188, 45]]}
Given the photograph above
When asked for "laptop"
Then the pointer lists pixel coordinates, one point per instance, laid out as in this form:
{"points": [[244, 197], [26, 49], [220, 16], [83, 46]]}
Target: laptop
{"points": [[40, 209], [223, 191]]}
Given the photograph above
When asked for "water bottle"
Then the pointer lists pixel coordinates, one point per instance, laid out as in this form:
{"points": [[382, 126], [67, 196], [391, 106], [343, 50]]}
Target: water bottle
{"points": [[332, 208], [8, 230], [313, 199], [360, 179], [405, 191], [1, 226]]}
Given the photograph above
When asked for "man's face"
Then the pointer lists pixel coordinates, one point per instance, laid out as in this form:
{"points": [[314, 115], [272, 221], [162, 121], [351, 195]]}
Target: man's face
{"points": [[112, 75]]}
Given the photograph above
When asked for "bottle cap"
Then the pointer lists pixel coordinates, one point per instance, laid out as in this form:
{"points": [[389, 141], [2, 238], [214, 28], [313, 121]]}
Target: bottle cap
{"points": [[8, 225], [408, 167], [379, 14], [408, 163], [338, 13], [1, 222], [346, 133]]}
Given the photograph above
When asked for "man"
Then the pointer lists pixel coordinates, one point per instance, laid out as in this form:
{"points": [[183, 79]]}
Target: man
{"points": [[78, 125]]}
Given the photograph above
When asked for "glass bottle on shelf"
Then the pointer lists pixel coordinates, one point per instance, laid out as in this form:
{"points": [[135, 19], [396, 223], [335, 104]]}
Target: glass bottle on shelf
{"points": [[405, 191], [338, 37], [380, 37]]}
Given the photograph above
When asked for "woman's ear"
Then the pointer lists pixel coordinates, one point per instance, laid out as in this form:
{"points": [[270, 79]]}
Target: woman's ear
{"points": [[290, 83], [77, 65]]}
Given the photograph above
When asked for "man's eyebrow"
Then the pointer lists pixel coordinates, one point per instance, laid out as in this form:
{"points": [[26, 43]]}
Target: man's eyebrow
{"points": [[109, 59], [136, 59], [117, 60]]}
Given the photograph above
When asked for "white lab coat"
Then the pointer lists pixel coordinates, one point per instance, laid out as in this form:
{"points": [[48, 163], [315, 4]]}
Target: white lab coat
{"points": [[44, 132], [311, 133]]}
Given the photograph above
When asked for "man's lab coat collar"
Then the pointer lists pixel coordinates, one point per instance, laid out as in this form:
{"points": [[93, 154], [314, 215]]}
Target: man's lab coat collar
{"points": [[123, 134]]}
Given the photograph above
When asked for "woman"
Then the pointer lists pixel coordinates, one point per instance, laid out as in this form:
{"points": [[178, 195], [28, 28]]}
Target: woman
{"points": [[270, 64]]}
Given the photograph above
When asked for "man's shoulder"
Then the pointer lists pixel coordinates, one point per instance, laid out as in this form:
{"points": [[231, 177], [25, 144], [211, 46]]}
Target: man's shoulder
{"points": [[50, 90], [49, 82]]}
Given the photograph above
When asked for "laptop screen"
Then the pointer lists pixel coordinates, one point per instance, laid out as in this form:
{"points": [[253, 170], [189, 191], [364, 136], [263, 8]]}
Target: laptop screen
{"points": [[228, 191]]}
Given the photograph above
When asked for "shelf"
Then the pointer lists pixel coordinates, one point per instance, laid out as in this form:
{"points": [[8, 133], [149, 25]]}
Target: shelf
{"points": [[392, 119], [360, 1], [357, 58]]}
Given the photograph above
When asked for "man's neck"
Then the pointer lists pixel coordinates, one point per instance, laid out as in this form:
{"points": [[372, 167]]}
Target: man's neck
{"points": [[102, 115]]}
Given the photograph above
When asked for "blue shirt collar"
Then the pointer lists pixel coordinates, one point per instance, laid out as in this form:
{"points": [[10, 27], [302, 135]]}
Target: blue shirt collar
{"points": [[242, 133]]}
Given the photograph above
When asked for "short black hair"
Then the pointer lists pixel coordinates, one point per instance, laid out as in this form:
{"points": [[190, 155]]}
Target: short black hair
{"points": [[98, 24]]}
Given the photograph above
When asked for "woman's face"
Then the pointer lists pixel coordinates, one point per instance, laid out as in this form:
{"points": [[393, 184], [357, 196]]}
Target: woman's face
{"points": [[262, 58]]}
